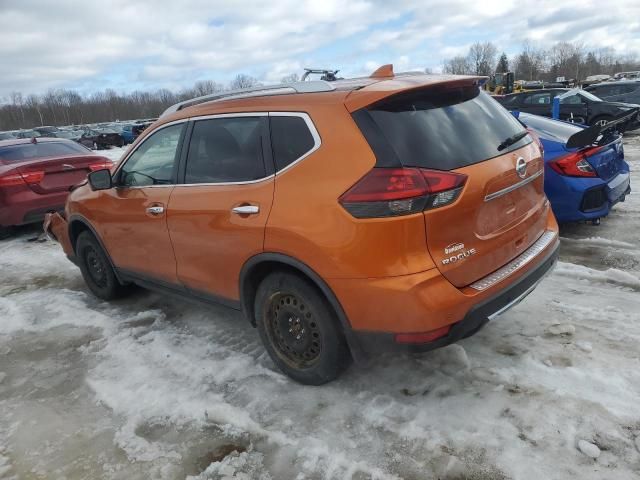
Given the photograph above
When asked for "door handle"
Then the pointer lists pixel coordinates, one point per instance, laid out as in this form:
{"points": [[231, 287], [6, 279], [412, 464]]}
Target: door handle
{"points": [[246, 209], [156, 210]]}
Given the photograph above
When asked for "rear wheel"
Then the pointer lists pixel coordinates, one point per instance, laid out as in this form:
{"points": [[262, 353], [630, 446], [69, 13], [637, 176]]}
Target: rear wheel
{"points": [[299, 329], [96, 268], [602, 120]]}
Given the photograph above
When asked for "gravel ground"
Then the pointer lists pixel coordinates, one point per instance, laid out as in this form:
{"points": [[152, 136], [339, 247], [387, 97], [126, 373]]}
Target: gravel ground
{"points": [[155, 388]]}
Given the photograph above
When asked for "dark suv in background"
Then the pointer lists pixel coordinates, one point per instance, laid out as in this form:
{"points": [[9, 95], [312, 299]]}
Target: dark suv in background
{"points": [[623, 91], [581, 107]]}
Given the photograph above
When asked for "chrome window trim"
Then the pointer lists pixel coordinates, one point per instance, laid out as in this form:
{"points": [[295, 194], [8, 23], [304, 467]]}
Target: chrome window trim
{"points": [[513, 187], [305, 116], [317, 141], [517, 263]]}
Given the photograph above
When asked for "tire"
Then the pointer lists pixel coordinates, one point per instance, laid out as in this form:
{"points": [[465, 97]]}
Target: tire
{"points": [[5, 232], [96, 268], [602, 119], [299, 329]]}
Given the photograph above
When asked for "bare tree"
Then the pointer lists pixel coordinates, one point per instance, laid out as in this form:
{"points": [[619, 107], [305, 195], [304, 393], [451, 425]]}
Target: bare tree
{"points": [[482, 57], [291, 78], [457, 66], [243, 81]]}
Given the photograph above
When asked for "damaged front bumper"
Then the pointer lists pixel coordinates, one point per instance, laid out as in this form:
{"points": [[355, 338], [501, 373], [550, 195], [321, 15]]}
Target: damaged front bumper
{"points": [[57, 229]]}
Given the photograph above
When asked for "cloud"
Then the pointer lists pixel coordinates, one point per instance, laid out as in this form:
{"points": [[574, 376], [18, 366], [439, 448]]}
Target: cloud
{"points": [[168, 44]]}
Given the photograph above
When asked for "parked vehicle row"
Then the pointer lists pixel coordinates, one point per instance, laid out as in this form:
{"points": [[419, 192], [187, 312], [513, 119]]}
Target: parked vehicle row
{"points": [[94, 136], [579, 106]]}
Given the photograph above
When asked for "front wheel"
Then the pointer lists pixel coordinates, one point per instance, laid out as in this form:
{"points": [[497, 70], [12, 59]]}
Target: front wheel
{"points": [[299, 329], [96, 268]]}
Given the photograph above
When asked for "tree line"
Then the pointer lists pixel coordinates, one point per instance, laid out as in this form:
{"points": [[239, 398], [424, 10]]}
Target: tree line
{"points": [[66, 107], [564, 59]]}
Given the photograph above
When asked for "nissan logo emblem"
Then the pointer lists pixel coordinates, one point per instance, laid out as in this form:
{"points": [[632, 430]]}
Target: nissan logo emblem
{"points": [[521, 167]]}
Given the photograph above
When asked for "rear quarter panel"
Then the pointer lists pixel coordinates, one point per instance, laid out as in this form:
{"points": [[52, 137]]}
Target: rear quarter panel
{"points": [[308, 223]]}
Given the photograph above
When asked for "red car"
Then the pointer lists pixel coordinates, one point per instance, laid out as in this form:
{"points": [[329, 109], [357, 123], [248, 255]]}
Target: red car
{"points": [[36, 175]]}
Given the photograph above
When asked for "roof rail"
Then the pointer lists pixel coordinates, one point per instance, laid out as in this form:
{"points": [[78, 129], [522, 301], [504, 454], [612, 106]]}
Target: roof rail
{"points": [[262, 91]]}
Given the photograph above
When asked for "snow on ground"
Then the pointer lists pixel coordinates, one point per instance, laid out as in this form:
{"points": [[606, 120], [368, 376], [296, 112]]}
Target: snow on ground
{"points": [[155, 388]]}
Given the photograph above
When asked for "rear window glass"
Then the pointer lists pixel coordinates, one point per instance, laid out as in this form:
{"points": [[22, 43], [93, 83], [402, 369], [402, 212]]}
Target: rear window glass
{"points": [[290, 139], [440, 128], [28, 151]]}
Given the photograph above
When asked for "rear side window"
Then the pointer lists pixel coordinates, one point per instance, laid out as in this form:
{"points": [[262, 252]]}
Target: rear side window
{"points": [[438, 128], [29, 151], [226, 149], [290, 139]]}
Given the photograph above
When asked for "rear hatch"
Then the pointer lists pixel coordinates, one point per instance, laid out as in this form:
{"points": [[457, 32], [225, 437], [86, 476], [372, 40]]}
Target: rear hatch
{"points": [[52, 166], [500, 210]]}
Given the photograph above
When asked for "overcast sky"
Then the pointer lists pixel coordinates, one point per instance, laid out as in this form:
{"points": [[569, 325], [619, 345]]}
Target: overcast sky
{"points": [[136, 44]]}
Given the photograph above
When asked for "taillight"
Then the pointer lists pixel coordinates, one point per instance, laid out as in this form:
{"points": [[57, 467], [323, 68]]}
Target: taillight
{"points": [[16, 179], [389, 192], [100, 165], [575, 164]]}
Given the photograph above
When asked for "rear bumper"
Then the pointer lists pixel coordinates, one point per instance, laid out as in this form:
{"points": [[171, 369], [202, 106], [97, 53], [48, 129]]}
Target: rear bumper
{"points": [[579, 199], [476, 318], [26, 207]]}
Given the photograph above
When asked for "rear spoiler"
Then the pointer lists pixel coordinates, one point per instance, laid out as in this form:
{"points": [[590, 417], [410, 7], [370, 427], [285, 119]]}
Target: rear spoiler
{"points": [[589, 136]]}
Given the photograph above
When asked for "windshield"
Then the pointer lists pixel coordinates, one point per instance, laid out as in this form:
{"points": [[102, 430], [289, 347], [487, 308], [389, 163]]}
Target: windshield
{"points": [[589, 96]]}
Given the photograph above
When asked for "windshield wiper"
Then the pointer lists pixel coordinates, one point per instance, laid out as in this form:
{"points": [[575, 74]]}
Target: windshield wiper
{"points": [[512, 139]]}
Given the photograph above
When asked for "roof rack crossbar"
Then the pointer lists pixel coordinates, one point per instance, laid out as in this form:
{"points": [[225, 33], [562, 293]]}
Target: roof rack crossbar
{"points": [[279, 89]]}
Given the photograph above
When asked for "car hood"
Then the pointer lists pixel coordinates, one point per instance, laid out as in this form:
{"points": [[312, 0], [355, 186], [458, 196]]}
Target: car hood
{"points": [[621, 104]]}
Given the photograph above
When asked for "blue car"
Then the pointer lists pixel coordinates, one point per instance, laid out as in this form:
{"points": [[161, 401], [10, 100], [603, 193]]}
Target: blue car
{"points": [[585, 172]]}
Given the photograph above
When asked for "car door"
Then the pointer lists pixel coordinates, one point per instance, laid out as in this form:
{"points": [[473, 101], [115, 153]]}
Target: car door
{"points": [[132, 217], [538, 103], [574, 108], [217, 216]]}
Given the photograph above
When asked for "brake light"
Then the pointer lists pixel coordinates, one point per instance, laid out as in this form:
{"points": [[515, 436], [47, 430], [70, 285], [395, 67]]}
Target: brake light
{"points": [[575, 164], [100, 165], [389, 192], [16, 179]]}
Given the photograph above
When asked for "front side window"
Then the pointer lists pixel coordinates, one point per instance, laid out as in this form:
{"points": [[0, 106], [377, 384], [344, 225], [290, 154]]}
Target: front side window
{"points": [[572, 100], [538, 99], [227, 149], [154, 161]]}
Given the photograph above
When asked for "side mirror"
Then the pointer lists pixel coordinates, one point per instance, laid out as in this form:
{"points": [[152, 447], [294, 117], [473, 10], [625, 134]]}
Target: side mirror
{"points": [[100, 180]]}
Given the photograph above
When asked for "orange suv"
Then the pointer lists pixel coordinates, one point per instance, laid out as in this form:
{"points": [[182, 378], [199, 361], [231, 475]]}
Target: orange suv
{"points": [[341, 217]]}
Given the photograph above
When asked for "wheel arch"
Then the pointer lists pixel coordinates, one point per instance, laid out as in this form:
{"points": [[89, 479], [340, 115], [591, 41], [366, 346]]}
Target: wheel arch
{"points": [[79, 224], [259, 266]]}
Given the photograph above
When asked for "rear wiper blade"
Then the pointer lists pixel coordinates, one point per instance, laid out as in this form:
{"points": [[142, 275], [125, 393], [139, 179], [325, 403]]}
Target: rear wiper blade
{"points": [[512, 139]]}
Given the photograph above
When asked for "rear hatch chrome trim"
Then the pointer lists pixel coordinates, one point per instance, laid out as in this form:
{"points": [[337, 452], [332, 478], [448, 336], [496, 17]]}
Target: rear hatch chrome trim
{"points": [[517, 263], [513, 187]]}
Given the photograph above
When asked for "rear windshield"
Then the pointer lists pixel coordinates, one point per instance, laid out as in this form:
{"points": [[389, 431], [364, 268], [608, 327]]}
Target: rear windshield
{"points": [[28, 151], [439, 128]]}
